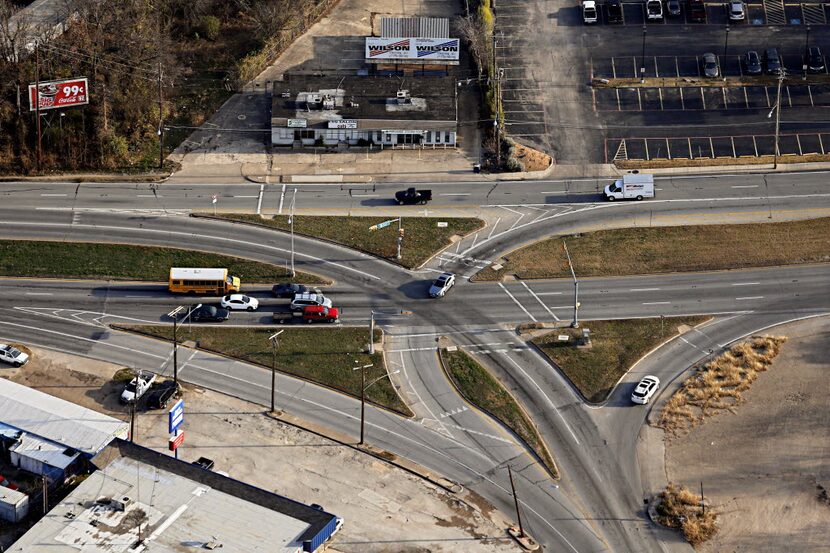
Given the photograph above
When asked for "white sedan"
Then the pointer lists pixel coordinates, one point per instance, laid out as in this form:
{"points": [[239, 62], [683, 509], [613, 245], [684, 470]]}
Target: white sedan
{"points": [[240, 301], [441, 285], [644, 391], [13, 355]]}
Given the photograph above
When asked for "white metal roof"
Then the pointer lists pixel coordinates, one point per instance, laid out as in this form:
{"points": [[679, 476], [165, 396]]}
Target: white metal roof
{"points": [[204, 274], [175, 511], [45, 451], [10, 496], [57, 420]]}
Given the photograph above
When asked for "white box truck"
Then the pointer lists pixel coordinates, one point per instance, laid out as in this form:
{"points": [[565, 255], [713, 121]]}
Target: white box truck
{"points": [[631, 187]]}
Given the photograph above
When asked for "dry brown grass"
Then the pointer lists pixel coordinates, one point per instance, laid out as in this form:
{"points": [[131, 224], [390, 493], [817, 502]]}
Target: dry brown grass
{"points": [[719, 384], [680, 508]]}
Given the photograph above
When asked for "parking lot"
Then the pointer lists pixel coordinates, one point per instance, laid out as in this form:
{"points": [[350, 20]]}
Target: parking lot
{"points": [[551, 60]]}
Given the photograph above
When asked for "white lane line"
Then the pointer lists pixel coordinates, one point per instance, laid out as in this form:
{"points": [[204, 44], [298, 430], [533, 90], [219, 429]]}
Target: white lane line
{"points": [[554, 192], [411, 349], [282, 199], [493, 229], [259, 200], [643, 289], [39, 294], [190, 235], [744, 186], [365, 195], [455, 194], [532, 293], [137, 195], [544, 395], [512, 297], [475, 238], [745, 283], [415, 391], [53, 195], [750, 298], [246, 196], [656, 303], [183, 365], [549, 293]]}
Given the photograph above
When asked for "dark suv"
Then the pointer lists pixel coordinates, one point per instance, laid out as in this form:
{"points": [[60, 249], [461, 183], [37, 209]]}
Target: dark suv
{"points": [[772, 61], [161, 396], [815, 60]]}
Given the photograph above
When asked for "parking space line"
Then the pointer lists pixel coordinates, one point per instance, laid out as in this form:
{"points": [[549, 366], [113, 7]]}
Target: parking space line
{"points": [[656, 71], [682, 102], [766, 91], [746, 98], [537, 298], [660, 93], [755, 145], [619, 106], [703, 98], [517, 302], [711, 148], [613, 68], [691, 153], [594, 98], [697, 65], [639, 99], [789, 98], [668, 149], [798, 141], [810, 93], [820, 143], [725, 105], [645, 143], [732, 139], [676, 67]]}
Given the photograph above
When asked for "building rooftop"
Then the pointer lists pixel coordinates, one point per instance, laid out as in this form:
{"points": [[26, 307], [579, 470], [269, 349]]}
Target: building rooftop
{"points": [[371, 100], [54, 419], [177, 506], [426, 27], [45, 451]]}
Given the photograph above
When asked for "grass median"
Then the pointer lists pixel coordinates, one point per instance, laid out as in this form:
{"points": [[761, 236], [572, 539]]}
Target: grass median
{"points": [[423, 238], [325, 356], [86, 260], [632, 251], [483, 390], [615, 347]]}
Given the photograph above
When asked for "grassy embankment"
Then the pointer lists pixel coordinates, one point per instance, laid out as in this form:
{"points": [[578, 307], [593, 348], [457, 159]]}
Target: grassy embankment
{"points": [[423, 238]]}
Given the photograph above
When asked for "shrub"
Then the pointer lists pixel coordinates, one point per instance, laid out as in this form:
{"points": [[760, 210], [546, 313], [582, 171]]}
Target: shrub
{"points": [[210, 26]]}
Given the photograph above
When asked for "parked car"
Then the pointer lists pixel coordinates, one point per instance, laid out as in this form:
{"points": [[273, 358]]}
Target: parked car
{"points": [[137, 387], [772, 61], [589, 11], [203, 462], [737, 10], [239, 301], [442, 285], [697, 11], [614, 10], [161, 396], [752, 63], [654, 9], [815, 60], [645, 390], [710, 65], [300, 301], [320, 314], [288, 290], [12, 355], [209, 313], [673, 7]]}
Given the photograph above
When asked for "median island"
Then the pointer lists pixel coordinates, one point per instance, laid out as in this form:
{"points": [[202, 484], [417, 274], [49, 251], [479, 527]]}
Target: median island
{"points": [[423, 236], [615, 347], [325, 356], [635, 251], [97, 261]]}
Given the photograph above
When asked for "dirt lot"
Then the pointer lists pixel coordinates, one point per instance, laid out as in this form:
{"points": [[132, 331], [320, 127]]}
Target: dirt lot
{"points": [[762, 466], [385, 509]]}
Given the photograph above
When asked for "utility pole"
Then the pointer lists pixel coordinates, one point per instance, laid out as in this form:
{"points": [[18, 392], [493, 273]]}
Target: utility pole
{"points": [[400, 237], [575, 323], [725, 50], [643, 57], [496, 106], [362, 400], [175, 316], [45, 495], [132, 409], [37, 106], [274, 345], [516, 502], [372, 333], [161, 121], [291, 222]]}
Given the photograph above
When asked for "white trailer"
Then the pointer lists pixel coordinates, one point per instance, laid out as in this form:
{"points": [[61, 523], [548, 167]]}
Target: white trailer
{"points": [[631, 187], [14, 505]]}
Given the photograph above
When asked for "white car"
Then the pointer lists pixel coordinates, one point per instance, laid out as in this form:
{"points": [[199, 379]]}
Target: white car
{"points": [[13, 355], [644, 391], [441, 285], [737, 10], [240, 301], [307, 299], [589, 11], [137, 387]]}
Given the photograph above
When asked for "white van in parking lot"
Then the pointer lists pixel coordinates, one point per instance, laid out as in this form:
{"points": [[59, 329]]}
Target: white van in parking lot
{"points": [[631, 187]]}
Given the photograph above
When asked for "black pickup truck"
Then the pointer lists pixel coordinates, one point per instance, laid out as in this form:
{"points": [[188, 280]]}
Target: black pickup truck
{"points": [[411, 196]]}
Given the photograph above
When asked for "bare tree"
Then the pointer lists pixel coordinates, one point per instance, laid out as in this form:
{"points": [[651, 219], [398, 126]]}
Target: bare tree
{"points": [[15, 31], [472, 30]]}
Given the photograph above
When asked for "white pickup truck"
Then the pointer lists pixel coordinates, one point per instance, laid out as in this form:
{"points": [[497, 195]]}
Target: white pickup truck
{"points": [[137, 387]]}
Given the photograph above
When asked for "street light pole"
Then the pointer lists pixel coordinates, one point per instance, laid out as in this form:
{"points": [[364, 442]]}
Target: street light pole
{"points": [[643, 58], [806, 51], [777, 109], [291, 222], [400, 237], [725, 50], [575, 323], [372, 333], [274, 344], [516, 502], [363, 388]]}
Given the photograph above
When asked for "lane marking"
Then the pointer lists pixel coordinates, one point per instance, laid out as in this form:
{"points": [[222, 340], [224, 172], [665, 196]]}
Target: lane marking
{"points": [[512, 297], [365, 195], [549, 293], [53, 195], [246, 196], [259, 200], [656, 303], [532, 293], [39, 294], [493, 229], [643, 289], [282, 199], [745, 283], [750, 298], [84, 338], [420, 399], [744, 186], [137, 195], [456, 194]]}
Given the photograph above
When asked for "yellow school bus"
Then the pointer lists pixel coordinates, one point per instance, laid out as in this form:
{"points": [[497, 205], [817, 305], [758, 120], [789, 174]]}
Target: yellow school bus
{"points": [[202, 281]]}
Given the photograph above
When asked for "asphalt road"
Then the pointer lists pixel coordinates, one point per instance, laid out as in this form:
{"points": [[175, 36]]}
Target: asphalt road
{"points": [[598, 504]]}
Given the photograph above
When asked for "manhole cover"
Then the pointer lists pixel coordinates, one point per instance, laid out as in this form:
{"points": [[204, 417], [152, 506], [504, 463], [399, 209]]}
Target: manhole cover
{"points": [[240, 117]]}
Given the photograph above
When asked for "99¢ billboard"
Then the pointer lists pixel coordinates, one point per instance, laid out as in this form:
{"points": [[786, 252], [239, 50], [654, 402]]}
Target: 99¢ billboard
{"points": [[60, 94]]}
